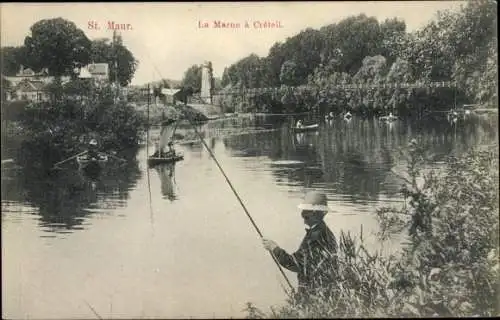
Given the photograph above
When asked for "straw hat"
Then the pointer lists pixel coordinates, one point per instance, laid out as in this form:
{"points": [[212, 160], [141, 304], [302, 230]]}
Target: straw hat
{"points": [[314, 201], [93, 142]]}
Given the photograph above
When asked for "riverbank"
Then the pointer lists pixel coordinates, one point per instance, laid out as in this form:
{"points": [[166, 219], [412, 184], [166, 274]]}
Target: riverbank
{"points": [[448, 267], [42, 133]]}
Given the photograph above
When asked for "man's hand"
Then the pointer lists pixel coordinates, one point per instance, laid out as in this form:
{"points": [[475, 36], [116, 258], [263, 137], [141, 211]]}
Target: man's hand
{"points": [[269, 244]]}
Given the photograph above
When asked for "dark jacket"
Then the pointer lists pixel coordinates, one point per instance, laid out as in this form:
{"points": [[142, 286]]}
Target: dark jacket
{"points": [[315, 261]]}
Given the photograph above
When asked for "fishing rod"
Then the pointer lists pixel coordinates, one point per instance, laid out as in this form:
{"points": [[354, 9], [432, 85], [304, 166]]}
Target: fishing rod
{"points": [[236, 194], [228, 181]]}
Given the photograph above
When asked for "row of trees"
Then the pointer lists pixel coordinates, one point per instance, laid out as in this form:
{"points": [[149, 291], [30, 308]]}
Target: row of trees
{"points": [[458, 46], [60, 46]]}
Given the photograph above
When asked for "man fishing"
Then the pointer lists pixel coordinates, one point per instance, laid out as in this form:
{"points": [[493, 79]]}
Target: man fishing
{"points": [[315, 262]]}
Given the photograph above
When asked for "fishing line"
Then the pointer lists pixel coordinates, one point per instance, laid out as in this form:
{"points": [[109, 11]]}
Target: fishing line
{"points": [[234, 191], [151, 216], [237, 196]]}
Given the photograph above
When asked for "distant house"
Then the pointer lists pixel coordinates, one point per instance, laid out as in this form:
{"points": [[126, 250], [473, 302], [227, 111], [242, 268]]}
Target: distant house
{"points": [[171, 96], [97, 71], [29, 74], [31, 90]]}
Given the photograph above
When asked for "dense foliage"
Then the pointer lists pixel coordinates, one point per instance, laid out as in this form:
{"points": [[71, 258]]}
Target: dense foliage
{"points": [[60, 46], [449, 265], [122, 64], [456, 46], [77, 112]]}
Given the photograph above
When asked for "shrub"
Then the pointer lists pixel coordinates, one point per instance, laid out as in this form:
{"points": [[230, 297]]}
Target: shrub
{"points": [[448, 267], [56, 129]]}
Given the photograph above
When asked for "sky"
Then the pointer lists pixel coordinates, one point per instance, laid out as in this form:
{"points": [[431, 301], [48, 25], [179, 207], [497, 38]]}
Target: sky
{"points": [[167, 38]]}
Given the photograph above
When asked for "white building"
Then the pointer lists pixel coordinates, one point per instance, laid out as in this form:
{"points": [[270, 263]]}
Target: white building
{"points": [[29, 74]]}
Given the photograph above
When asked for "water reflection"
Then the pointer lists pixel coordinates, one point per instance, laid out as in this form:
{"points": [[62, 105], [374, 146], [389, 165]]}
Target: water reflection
{"points": [[137, 263], [64, 198], [166, 172], [354, 158]]}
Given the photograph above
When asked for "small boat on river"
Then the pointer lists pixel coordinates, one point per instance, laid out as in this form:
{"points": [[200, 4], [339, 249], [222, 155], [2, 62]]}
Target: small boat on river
{"points": [[329, 116], [299, 127], [312, 127], [92, 163], [164, 159], [389, 118], [347, 116], [161, 155]]}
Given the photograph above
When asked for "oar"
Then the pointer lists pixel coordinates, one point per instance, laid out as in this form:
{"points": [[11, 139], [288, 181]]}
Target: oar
{"points": [[70, 158]]}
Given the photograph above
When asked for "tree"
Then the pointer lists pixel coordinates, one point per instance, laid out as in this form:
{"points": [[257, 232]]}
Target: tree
{"points": [[57, 44], [288, 75], [393, 33], [356, 37], [104, 51], [192, 78], [12, 58], [5, 87]]}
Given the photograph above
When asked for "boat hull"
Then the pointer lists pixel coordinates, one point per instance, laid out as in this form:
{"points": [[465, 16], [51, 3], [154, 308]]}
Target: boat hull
{"points": [[91, 166], [313, 127], [153, 161]]}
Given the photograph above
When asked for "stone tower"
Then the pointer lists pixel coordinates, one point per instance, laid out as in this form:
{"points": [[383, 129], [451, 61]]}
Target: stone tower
{"points": [[206, 84]]}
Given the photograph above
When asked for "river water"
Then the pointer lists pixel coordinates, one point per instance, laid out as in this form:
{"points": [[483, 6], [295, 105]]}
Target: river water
{"points": [[173, 242]]}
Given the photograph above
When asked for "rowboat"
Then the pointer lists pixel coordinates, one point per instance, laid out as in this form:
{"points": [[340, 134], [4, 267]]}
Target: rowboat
{"points": [[91, 164], [389, 118], [312, 127]]}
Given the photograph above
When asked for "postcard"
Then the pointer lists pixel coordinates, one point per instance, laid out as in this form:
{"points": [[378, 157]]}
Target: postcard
{"points": [[249, 160]]}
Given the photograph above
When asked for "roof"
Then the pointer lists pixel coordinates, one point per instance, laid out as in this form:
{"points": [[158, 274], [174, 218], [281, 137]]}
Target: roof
{"points": [[28, 86], [26, 72], [169, 92], [84, 73], [101, 69]]}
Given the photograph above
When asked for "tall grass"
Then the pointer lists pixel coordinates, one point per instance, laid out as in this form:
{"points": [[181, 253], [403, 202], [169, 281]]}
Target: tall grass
{"points": [[449, 264]]}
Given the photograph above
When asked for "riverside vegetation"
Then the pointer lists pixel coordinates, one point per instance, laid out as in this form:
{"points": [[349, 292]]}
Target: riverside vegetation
{"points": [[42, 133], [449, 265], [455, 46]]}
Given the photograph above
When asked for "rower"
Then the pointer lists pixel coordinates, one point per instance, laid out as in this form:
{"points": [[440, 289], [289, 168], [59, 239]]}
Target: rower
{"points": [[299, 124], [92, 151]]}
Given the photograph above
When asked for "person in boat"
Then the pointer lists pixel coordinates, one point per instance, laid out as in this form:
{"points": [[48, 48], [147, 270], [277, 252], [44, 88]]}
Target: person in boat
{"points": [[329, 116], [171, 150], [156, 154], [92, 150], [299, 124], [315, 261]]}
